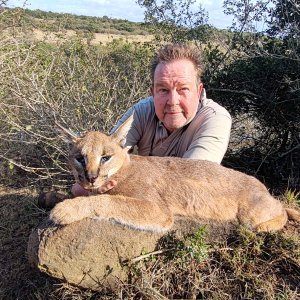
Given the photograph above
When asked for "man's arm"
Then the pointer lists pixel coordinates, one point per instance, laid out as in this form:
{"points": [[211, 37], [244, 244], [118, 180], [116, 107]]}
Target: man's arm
{"points": [[211, 140]]}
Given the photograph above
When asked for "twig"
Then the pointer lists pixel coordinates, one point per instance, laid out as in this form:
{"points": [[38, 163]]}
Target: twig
{"points": [[289, 151], [246, 93], [141, 257]]}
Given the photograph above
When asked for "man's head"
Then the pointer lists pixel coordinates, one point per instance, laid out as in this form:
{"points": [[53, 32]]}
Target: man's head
{"points": [[176, 84], [171, 52]]}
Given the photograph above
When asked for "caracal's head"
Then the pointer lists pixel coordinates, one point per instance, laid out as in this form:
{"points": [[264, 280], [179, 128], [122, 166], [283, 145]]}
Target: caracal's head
{"points": [[95, 157]]}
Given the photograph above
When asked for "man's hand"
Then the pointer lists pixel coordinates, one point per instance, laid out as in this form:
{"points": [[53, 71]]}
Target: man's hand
{"points": [[77, 190], [107, 186]]}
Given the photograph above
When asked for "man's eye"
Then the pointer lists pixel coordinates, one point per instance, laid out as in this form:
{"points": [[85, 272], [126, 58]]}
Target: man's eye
{"points": [[81, 160], [184, 89], [163, 90], [105, 159]]}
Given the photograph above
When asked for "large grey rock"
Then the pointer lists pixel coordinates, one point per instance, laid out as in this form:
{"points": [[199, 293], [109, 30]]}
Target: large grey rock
{"points": [[90, 253]]}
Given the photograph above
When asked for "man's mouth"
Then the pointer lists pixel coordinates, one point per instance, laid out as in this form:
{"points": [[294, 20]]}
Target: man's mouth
{"points": [[173, 112]]}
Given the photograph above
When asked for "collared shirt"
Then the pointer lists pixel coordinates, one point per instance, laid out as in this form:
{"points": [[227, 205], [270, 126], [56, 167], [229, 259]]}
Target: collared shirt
{"points": [[205, 137]]}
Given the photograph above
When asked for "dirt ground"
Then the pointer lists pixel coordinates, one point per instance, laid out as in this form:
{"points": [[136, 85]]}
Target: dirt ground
{"points": [[18, 216]]}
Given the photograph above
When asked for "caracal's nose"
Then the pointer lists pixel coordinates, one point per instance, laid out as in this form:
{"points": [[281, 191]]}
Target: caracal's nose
{"points": [[92, 178]]}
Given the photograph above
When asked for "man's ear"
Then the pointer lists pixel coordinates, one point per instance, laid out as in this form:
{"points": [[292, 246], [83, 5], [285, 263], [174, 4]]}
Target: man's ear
{"points": [[200, 89], [152, 90], [120, 134], [68, 135]]}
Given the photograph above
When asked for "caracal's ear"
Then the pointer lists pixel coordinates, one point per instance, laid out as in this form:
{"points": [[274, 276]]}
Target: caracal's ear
{"points": [[68, 135], [120, 134]]}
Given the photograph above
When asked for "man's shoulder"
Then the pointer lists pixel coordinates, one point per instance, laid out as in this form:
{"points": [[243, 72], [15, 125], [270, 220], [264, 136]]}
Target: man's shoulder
{"points": [[145, 103], [144, 108]]}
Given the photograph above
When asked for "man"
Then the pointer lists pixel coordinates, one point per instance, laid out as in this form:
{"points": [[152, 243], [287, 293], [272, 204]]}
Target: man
{"points": [[178, 119]]}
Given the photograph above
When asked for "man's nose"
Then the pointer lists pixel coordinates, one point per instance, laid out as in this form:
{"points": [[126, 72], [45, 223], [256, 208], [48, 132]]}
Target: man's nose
{"points": [[174, 98]]}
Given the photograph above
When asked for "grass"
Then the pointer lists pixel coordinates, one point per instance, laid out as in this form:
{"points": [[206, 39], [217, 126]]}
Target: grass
{"points": [[242, 265], [292, 197]]}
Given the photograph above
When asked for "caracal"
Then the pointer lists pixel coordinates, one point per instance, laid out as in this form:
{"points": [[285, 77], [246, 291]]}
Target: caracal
{"points": [[150, 191]]}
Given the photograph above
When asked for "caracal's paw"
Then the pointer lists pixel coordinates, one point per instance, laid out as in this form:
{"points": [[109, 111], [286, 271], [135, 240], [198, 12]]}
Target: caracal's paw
{"points": [[69, 211]]}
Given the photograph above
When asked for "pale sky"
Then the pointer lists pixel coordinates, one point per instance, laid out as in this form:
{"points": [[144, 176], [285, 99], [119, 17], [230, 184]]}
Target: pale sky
{"points": [[121, 9]]}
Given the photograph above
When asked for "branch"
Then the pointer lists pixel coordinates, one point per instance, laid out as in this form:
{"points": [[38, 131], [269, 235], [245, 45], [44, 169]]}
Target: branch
{"points": [[246, 93], [141, 257], [291, 150]]}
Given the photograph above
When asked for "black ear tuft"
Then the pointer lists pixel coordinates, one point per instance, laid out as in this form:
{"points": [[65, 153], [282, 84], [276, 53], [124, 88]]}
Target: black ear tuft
{"points": [[69, 136]]}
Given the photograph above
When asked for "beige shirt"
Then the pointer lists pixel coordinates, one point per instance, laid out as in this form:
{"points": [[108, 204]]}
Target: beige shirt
{"points": [[206, 137]]}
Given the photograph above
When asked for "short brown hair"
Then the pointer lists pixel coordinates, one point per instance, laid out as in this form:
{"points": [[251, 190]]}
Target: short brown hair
{"points": [[171, 52]]}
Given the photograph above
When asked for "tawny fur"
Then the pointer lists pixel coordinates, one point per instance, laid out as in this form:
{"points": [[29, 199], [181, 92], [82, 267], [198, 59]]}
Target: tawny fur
{"points": [[152, 190]]}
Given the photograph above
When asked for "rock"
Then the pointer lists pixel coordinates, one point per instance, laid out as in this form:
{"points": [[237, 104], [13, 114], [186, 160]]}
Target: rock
{"points": [[88, 253], [91, 253]]}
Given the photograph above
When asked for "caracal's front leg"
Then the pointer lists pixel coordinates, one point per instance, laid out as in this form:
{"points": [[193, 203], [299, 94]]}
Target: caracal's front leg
{"points": [[133, 212]]}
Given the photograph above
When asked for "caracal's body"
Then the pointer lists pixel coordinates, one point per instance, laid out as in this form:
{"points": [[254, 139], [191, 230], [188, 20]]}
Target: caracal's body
{"points": [[150, 191]]}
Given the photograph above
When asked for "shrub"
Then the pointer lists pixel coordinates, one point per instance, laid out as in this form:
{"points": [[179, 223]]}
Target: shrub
{"points": [[81, 86]]}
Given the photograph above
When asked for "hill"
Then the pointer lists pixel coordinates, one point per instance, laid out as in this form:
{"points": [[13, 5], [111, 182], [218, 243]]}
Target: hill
{"points": [[64, 21], [51, 26]]}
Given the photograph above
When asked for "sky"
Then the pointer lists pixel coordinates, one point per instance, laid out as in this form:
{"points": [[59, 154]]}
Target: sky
{"points": [[120, 9]]}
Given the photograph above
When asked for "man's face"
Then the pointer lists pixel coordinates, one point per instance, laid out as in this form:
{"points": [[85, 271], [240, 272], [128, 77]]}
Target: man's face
{"points": [[176, 93]]}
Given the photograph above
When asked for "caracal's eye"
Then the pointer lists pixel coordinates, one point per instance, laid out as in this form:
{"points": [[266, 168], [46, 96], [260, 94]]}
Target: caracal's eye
{"points": [[81, 160], [105, 159]]}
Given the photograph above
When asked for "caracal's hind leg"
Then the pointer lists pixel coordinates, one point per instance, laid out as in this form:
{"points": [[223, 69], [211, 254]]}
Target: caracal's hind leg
{"points": [[263, 212], [135, 213], [274, 224], [278, 222]]}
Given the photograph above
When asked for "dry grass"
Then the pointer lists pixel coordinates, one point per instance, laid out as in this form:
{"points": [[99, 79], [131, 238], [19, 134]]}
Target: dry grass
{"points": [[96, 38], [243, 265]]}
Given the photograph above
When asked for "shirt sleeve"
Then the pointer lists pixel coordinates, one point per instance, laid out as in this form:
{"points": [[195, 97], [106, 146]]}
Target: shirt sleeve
{"points": [[211, 140]]}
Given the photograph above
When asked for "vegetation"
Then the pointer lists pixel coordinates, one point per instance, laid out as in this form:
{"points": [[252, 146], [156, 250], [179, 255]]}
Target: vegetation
{"points": [[56, 22], [80, 85], [263, 82], [253, 73]]}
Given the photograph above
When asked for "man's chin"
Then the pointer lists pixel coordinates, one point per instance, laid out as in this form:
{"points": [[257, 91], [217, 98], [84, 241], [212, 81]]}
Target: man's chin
{"points": [[174, 126]]}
